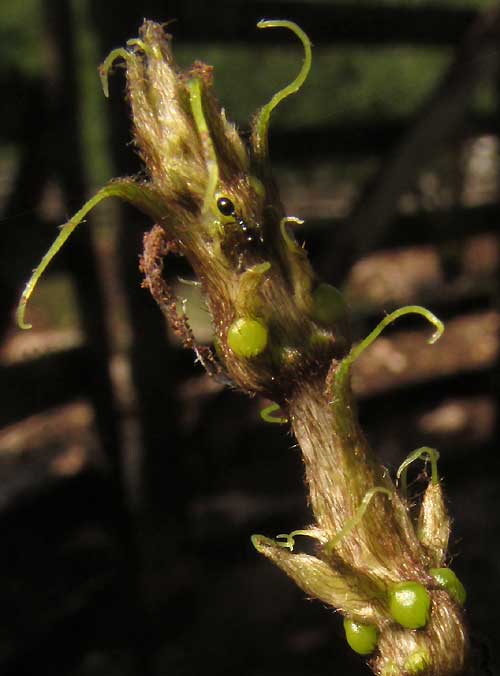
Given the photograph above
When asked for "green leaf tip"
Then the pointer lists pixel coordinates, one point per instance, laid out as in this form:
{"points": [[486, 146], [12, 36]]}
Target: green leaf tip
{"points": [[262, 121]]}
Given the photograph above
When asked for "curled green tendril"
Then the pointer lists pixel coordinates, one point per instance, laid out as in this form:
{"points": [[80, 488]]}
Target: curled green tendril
{"points": [[345, 365], [356, 519], [262, 122], [430, 454], [267, 415], [408, 309], [195, 99], [139, 195], [107, 64], [339, 402], [289, 538]]}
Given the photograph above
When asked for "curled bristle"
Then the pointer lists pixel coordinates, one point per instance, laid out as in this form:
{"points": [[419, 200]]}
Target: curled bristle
{"points": [[289, 538], [107, 64]]}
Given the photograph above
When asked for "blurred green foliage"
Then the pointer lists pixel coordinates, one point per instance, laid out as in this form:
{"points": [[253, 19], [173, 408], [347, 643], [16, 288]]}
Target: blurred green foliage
{"points": [[20, 24]]}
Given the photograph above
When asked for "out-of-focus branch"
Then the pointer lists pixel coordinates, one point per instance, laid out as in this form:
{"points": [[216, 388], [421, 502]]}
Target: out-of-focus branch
{"points": [[441, 116]]}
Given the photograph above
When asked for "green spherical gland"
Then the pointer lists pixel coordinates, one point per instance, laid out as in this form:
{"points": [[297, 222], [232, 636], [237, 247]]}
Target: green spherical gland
{"points": [[447, 579], [409, 604], [328, 305], [247, 337], [417, 662], [362, 638]]}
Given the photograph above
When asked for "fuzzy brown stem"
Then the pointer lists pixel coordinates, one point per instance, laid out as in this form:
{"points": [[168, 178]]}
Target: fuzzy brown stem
{"points": [[340, 470], [383, 547]]}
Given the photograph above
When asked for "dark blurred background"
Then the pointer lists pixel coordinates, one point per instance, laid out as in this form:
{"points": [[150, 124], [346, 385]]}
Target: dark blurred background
{"points": [[129, 482]]}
